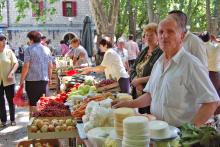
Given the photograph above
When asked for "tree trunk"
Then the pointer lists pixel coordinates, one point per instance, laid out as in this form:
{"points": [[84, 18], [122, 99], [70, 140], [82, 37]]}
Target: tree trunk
{"points": [[189, 12], [217, 14], [105, 21], [150, 10], [132, 18], [208, 16]]}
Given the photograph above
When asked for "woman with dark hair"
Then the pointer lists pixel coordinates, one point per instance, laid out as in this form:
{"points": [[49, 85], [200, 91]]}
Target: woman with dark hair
{"points": [[112, 65], [37, 68]]}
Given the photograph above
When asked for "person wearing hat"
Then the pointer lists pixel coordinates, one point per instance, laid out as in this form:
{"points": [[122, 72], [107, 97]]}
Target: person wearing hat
{"points": [[122, 52], [9, 63]]}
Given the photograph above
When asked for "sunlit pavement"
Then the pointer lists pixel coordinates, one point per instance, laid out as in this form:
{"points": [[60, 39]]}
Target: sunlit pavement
{"points": [[11, 135]]}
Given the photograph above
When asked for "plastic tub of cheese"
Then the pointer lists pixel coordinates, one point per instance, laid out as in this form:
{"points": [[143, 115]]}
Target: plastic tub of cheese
{"points": [[97, 136]]}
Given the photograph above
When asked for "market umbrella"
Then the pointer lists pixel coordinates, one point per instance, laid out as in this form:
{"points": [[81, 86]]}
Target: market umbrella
{"points": [[87, 41]]}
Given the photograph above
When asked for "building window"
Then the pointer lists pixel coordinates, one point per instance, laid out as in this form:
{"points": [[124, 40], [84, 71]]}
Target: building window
{"points": [[69, 8], [38, 8]]}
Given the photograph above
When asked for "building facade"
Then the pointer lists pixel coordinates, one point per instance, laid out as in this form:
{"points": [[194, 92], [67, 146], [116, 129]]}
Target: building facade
{"points": [[66, 23]]}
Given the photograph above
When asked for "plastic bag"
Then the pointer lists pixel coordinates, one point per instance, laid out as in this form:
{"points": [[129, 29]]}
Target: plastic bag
{"points": [[99, 116], [18, 99]]}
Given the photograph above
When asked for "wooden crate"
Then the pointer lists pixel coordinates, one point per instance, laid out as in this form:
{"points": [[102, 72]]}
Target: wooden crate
{"points": [[50, 135], [111, 87], [28, 143]]}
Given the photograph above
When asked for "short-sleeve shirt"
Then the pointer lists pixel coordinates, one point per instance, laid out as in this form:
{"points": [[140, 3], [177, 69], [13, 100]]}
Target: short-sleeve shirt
{"points": [[133, 49], [76, 52], [39, 57], [7, 61], [196, 47], [113, 65], [123, 54], [178, 91], [213, 56]]}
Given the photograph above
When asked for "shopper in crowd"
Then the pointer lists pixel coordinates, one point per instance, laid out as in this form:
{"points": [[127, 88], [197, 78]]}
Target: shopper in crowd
{"points": [[141, 69], [191, 42], [77, 53], [64, 48], [48, 44], [122, 52], [179, 89], [133, 50], [21, 53], [214, 39], [37, 68], [8, 64], [43, 40], [112, 65], [213, 61]]}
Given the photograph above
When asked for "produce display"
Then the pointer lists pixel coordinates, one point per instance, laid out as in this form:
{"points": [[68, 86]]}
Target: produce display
{"points": [[58, 98], [82, 90], [43, 125], [93, 118], [105, 82], [52, 109], [205, 136], [39, 143], [108, 85], [80, 111]]}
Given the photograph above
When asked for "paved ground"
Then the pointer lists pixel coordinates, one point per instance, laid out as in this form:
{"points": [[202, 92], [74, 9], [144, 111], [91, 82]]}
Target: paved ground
{"points": [[11, 135]]}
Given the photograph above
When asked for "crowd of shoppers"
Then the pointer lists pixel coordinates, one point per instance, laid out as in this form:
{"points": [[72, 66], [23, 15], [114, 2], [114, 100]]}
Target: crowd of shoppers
{"points": [[172, 70]]}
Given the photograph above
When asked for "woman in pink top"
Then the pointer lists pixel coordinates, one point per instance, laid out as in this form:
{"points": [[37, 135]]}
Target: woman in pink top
{"points": [[64, 48]]}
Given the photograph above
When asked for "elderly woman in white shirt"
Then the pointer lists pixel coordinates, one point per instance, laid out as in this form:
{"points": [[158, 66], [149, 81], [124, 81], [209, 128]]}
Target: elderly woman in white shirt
{"points": [[112, 65]]}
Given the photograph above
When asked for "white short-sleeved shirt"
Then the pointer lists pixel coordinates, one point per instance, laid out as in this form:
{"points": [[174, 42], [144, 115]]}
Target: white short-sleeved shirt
{"points": [[213, 56], [196, 47], [113, 65], [178, 91]]}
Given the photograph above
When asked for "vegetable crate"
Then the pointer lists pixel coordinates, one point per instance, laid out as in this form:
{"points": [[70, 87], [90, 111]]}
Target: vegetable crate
{"points": [[54, 80], [50, 135], [114, 87], [40, 142]]}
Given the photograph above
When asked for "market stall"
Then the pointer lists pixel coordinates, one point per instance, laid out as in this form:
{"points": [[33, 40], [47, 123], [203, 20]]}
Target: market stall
{"points": [[83, 108]]}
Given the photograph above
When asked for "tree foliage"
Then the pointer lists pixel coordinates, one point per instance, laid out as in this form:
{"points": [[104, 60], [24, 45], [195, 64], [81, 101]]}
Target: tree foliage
{"points": [[23, 5], [195, 10], [133, 14]]}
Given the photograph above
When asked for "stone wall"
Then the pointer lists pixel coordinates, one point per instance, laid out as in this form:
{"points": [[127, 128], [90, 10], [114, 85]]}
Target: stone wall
{"points": [[55, 27]]}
